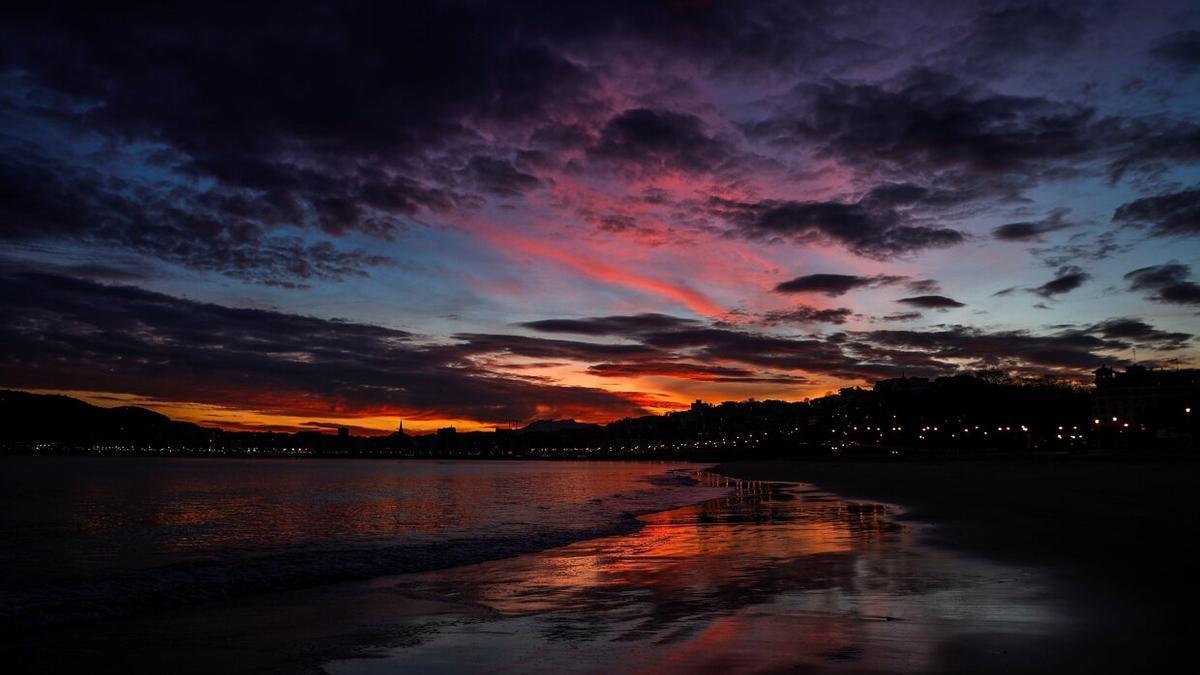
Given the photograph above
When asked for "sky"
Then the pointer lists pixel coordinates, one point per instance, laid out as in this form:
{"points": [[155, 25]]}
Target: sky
{"points": [[302, 215]]}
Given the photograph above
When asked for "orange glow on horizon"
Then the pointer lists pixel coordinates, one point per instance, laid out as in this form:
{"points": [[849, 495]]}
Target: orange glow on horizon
{"points": [[241, 419], [657, 394]]}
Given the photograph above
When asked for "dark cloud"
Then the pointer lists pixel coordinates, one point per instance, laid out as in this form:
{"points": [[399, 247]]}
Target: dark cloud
{"points": [[1067, 280], [336, 124], [911, 198], [1067, 350], [935, 123], [205, 231], [688, 371], [931, 302], [672, 338], [500, 177], [472, 344], [932, 120], [1081, 247], [690, 348], [1023, 231], [110, 273], [999, 38], [1136, 330], [867, 228], [1174, 214], [611, 325], [806, 315], [1149, 146], [1180, 49], [834, 284], [371, 80], [1071, 350], [669, 338], [890, 195], [262, 123], [1169, 283], [71, 334], [717, 344], [1030, 230], [659, 140], [924, 286], [901, 316]]}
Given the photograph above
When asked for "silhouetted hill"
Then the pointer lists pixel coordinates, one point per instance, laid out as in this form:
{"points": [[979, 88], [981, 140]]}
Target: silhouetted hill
{"points": [[37, 417], [556, 426]]}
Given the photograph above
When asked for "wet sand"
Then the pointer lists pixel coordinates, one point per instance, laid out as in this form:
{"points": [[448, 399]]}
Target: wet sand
{"points": [[1120, 538], [774, 578]]}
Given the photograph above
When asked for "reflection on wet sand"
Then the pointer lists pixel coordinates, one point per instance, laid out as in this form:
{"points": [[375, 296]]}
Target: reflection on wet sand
{"points": [[771, 577]]}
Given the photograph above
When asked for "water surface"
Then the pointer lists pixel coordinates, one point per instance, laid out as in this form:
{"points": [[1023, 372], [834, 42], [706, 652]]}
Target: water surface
{"points": [[95, 537]]}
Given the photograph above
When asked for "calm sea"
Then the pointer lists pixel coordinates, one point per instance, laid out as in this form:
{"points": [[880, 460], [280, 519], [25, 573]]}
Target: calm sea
{"points": [[92, 538]]}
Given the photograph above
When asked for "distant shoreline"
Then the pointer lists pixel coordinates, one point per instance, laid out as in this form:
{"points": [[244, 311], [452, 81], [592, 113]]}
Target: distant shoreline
{"points": [[718, 457]]}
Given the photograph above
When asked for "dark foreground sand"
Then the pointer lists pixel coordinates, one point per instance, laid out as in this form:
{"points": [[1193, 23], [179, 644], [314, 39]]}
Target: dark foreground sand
{"points": [[1122, 535]]}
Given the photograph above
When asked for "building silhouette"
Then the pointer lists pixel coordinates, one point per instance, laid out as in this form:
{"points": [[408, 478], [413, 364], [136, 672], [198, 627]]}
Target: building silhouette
{"points": [[447, 438], [1146, 399]]}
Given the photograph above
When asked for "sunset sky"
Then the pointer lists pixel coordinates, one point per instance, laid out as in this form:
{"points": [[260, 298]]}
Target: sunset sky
{"points": [[296, 216]]}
